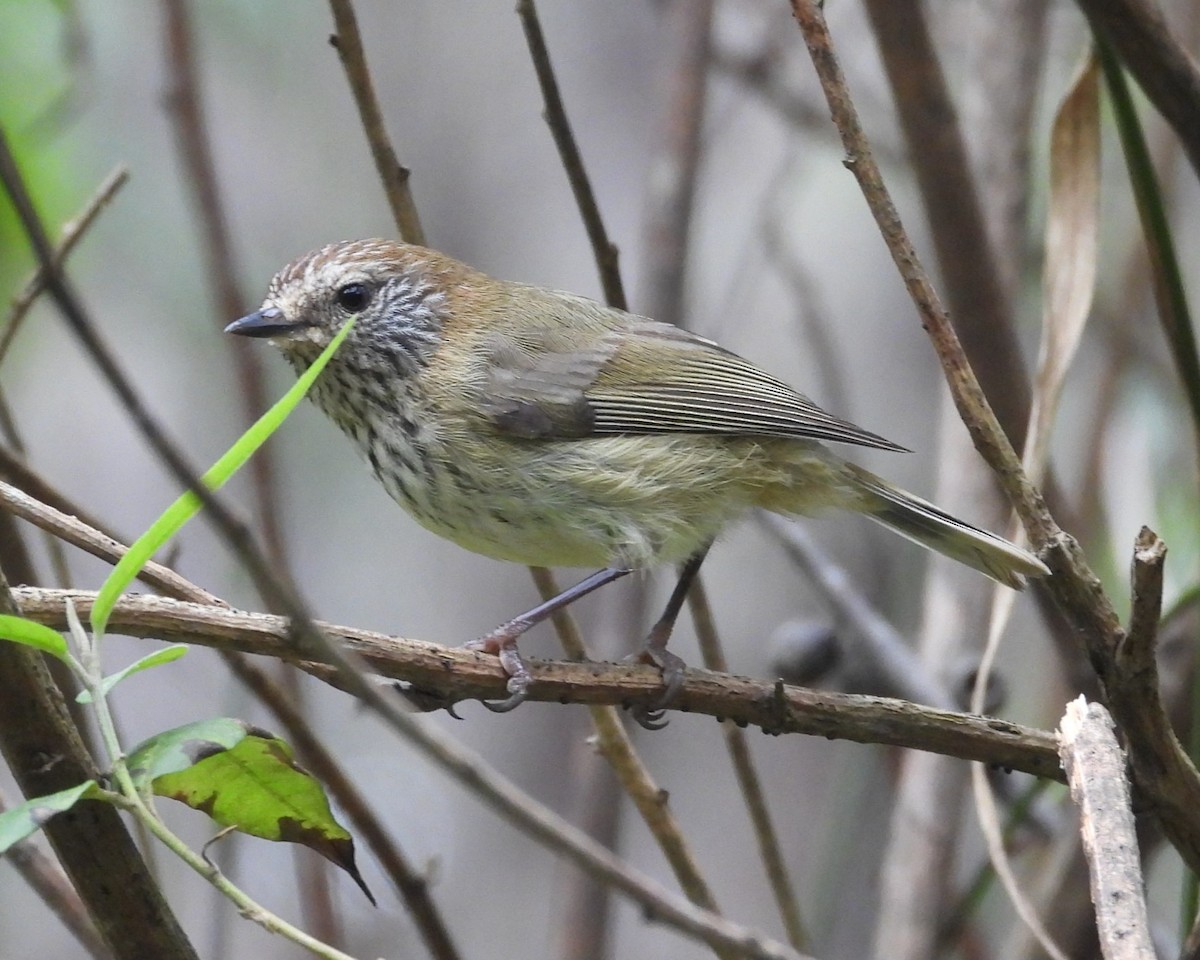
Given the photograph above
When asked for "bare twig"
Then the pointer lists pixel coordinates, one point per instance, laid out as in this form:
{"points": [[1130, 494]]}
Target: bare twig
{"points": [[72, 232], [603, 249], [749, 782], [347, 41], [651, 801], [872, 636], [1096, 772]]}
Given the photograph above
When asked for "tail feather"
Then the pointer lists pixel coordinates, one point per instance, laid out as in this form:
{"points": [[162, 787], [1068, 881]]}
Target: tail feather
{"points": [[923, 523]]}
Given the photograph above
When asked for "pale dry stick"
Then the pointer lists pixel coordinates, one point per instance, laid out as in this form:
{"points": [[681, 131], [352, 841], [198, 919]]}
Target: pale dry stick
{"points": [[1095, 769], [347, 41], [189, 124], [72, 232], [47, 880]]}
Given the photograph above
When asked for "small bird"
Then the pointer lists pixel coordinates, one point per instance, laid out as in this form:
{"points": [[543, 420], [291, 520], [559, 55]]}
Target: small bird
{"points": [[547, 429]]}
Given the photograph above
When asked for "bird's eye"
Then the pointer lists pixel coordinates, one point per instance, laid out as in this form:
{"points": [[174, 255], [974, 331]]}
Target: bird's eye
{"points": [[353, 297]]}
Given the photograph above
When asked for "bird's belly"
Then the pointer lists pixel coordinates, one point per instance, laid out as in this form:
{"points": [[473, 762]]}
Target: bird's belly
{"points": [[579, 503]]}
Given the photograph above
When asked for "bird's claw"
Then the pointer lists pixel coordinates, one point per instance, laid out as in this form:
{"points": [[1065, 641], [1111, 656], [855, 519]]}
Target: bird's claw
{"points": [[519, 678], [652, 715]]}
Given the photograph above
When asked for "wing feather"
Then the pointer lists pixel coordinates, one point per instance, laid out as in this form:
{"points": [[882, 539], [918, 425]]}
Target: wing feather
{"points": [[616, 373]]}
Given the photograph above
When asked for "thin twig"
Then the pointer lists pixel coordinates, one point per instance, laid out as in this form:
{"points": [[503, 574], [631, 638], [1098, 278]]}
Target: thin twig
{"points": [[749, 782], [347, 41], [651, 801], [872, 635], [547, 827], [603, 249], [73, 231]]}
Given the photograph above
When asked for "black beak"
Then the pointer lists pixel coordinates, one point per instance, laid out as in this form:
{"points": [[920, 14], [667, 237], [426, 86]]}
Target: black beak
{"points": [[268, 322]]}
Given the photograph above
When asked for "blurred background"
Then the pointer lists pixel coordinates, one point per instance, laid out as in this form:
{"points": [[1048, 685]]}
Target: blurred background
{"points": [[782, 263]]}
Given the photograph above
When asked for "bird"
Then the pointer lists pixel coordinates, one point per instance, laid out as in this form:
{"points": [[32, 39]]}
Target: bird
{"points": [[544, 428]]}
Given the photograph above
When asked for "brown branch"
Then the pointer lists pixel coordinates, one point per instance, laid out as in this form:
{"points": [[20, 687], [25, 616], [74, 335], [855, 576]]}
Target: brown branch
{"points": [[1137, 30], [72, 232], [1072, 584], [454, 674], [1162, 770], [604, 250], [44, 753], [347, 41]]}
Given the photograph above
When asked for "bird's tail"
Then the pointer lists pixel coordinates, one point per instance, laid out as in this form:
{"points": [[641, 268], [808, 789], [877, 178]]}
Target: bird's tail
{"points": [[922, 522]]}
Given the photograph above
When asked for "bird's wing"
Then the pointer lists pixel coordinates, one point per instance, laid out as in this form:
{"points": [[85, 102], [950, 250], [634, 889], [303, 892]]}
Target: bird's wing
{"points": [[621, 374]]}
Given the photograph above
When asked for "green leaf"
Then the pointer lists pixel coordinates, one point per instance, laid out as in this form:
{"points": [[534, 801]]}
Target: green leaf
{"points": [[20, 630], [186, 507], [256, 786], [28, 818], [180, 748], [166, 655]]}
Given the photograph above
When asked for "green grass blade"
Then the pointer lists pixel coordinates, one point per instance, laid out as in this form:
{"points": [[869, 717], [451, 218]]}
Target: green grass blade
{"points": [[36, 635], [186, 507]]}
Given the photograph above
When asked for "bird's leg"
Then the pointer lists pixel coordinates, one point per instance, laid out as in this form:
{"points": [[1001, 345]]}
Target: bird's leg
{"points": [[655, 651], [502, 642]]}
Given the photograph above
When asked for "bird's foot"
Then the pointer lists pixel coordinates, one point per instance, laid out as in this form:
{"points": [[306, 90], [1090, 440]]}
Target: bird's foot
{"points": [[652, 715], [502, 643]]}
